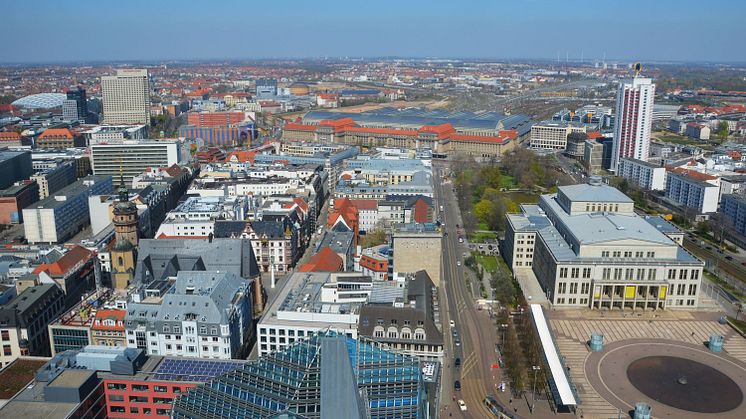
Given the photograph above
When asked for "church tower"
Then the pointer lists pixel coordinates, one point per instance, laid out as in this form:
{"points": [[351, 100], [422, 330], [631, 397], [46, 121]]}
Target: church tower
{"points": [[124, 253]]}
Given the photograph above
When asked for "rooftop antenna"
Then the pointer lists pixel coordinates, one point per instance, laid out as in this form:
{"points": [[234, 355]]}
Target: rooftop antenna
{"points": [[638, 68]]}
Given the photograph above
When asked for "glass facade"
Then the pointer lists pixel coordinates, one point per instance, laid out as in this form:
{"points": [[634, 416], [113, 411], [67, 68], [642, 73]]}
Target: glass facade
{"points": [[69, 339], [390, 384]]}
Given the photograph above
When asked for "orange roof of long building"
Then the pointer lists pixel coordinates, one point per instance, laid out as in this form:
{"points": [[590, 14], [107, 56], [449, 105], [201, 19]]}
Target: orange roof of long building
{"points": [[10, 136], [108, 314], [57, 133]]}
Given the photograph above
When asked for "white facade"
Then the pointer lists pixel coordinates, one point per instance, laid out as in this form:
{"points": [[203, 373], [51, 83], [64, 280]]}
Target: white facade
{"points": [[132, 157], [316, 303], [634, 119], [126, 97], [643, 174], [689, 192]]}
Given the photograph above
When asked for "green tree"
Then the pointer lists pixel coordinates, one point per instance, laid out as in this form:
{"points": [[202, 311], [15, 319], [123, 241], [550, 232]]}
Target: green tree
{"points": [[373, 238], [722, 130], [484, 210]]}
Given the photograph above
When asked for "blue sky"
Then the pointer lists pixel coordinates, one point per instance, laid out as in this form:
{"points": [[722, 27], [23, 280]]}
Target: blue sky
{"points": [[77, 30]]}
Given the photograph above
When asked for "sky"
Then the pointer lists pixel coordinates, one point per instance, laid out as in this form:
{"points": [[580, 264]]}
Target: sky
{"points": [[127, 30]]}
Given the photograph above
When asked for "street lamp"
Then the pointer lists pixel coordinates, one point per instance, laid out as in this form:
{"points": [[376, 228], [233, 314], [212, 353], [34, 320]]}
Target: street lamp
{"points": [[533, 389]]}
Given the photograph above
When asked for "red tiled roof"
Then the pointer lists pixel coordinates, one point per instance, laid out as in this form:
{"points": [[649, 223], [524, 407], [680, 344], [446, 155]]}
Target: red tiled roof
{"points": [[388, 131], [63, 265], [57, 133], [302, 204], [441, 130], [337, 124], [594, 134], [327, 96], [365, 204], [299, 127], [691, 173], [105, 314], [242, 156], [325, 260], [10, 136]]}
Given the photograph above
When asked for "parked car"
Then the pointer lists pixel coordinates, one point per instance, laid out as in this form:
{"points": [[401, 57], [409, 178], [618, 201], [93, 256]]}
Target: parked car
{"points": [[457, 385], [462, 405], [457, 363]]}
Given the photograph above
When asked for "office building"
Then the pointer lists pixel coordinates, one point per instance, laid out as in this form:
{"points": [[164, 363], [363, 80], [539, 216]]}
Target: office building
{"points": [[576, 145], [112, 382], [214, 119], [693, 191], [733, 208], [634, 119], [417, 246], [24, 320], [15, 198], [14, 166], [328, 375], [76, 105], [132, 157], [49, 159], [587, 247], [206, 314], [126, 97], [552, 135], [266, 87], [64, 214], [115, 133], [642, 174], [219, 135], [73, 329], [52, 180]]}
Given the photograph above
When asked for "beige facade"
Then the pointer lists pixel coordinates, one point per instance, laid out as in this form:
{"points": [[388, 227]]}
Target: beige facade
{"points": [[552, 135], [418, 250], [126, 97]]}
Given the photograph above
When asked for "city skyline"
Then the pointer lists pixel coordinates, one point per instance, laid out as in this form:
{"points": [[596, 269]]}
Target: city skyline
{"points": [[416, 29]]}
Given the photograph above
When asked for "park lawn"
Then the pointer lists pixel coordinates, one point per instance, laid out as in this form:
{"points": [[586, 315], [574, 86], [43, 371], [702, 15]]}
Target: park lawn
{"points": [[489, 263], [482, 226], [507, 182], [482, 236]]}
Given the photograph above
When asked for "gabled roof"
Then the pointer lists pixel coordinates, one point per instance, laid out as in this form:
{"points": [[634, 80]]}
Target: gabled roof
{"points": [[241, 156]]}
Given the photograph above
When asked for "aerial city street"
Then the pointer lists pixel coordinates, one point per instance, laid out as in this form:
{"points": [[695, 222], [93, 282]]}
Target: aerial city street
{"points": [[388, 210]]}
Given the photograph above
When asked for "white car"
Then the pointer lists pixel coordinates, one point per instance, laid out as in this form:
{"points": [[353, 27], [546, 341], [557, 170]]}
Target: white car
{"points": [[461, 405], [458, 263], [452, 323]]}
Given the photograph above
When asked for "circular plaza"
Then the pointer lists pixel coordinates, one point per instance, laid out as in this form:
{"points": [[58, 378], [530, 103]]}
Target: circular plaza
{"points": [[677, 379]]}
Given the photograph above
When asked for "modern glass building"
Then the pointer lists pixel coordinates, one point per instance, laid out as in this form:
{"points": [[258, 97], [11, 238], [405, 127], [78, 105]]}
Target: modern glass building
{"points": [[327, 375]]}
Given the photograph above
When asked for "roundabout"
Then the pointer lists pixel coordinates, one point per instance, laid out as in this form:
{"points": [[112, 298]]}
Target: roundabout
{"points": [[679, 380]]}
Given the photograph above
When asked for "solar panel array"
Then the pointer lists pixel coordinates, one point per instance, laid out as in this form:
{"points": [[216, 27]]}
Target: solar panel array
{"points": [[193, 369]]}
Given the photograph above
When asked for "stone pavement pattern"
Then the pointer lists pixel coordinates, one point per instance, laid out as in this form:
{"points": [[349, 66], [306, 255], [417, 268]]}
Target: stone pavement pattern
{"points": [[572, 333]]}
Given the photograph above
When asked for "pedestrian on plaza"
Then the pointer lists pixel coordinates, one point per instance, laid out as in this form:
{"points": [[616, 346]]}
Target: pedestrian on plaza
{"points": [[510, 401]]}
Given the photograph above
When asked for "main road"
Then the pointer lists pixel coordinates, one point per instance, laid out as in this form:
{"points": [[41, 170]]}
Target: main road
{"points": [[475, 329]]}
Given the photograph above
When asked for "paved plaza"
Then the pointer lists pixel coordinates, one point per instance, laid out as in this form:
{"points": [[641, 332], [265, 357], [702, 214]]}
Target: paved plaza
{"points": [[674, 331]]}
